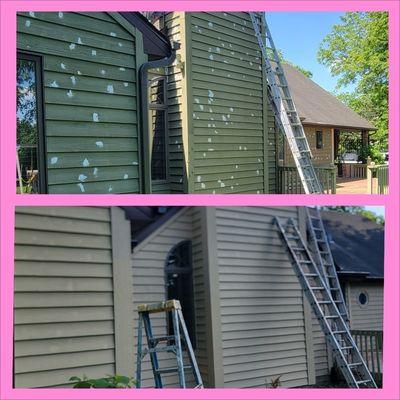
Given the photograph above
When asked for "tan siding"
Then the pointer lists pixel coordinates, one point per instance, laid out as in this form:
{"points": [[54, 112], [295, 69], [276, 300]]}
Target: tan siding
{"points": [[263, 331], [321, 157], [63, 295], [320, 350], [148, 263], [370, 316]]}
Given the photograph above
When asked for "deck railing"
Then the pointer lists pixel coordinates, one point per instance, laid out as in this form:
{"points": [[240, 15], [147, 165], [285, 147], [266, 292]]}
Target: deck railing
{"points": [[378, 179], [353, 170], [289, 180], [370, 344]]}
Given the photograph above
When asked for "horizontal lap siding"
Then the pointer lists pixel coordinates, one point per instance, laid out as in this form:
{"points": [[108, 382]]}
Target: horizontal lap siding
{"points": [[148, 263], [263, 333], [320, 350], [63, 304], [370, 316], [228, 118], [175, 97], [89, 64]]}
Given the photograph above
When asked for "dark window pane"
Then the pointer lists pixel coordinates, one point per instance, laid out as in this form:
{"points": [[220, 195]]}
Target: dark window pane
{"points": [[319, 139], [158, 158], [27, 127], [156, 89], [179, 284]]}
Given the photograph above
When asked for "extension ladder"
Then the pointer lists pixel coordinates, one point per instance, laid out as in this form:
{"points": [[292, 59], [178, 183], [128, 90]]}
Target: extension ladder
{"points": [[285, 111], [323, 259], [345, 350], [173, 344]]}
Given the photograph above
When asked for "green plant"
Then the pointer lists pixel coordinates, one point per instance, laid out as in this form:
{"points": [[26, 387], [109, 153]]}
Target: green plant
{"points": [[275, 382], [111, 381]]}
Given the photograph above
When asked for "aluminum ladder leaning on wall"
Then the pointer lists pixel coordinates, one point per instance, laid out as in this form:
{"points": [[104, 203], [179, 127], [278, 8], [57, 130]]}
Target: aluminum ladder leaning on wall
{"points": [[285, 111], [345, 351], [321, 250], [173, 344]]}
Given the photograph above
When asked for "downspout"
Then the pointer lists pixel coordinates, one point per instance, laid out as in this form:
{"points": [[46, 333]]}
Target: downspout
{"points": [[144, 101]]}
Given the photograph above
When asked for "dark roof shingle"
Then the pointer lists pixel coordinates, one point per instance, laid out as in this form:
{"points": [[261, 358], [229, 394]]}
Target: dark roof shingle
{"points": [[357, 243], [317, 106]]}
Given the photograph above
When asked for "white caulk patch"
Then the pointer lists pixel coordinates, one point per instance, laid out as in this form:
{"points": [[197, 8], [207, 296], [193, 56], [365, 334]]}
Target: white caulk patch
{"points": [[231, 109], [135, 163], [201, 107], [72, 46], [103, 71], [94, 53], [53, 160], [218, 50], [27, 23], [32, 14], [60, 15], [119, 44], [210, 24], [95, 117], [79, 41], [85, 162], [81, 187], [210, 93], [110, 89], [100, 144], [126, 176], [54, 84], [63, 66], [79, 72], [110, 188], [203, 185], [82, 177], [70, 94], [95, 170], [223, 118], [211, 57], [121, 68], [209, 140], [126, 84], [113, 34], [73, 80], [197, 101]]}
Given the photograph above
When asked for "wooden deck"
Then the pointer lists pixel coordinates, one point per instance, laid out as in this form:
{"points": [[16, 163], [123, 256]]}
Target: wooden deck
{"points": [[351, 186]]}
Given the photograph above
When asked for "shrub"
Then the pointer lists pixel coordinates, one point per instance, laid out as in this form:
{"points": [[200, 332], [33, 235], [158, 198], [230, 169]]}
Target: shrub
{"points": [[111, 381]]}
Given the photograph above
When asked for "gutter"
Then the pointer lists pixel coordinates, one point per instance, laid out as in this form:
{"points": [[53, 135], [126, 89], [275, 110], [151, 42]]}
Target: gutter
{"points": [[144, 100]]}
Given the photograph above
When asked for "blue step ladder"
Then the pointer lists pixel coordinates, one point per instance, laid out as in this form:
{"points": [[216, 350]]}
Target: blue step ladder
{"points": [[178, 344]]}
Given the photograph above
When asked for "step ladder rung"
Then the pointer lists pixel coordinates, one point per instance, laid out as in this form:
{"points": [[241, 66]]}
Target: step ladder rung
{"points": [[317, 287], [172, 369], [332, 316], [355, 364], [362, 382], [157, 339], [338, 332], [311, 275], [324, 302], [347, 347]]}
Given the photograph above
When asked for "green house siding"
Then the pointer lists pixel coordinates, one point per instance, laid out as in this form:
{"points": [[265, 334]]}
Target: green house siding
{"points": [[90, 99], [230, 139]]}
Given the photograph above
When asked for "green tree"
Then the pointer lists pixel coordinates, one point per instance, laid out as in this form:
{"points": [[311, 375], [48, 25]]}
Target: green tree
{"points": [[358, 211], [356, 51]]}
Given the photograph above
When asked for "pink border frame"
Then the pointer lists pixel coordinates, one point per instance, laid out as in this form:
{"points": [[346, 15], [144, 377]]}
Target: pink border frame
{"points": [[9, 200]]}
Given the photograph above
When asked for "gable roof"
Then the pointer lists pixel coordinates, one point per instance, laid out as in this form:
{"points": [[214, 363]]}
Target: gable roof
{"points": [[155, 43], [317, 106], [357, 244]]}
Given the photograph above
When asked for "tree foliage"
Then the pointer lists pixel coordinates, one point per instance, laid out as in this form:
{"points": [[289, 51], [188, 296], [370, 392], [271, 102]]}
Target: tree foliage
{"points": [[356, 51], [357, 210]]}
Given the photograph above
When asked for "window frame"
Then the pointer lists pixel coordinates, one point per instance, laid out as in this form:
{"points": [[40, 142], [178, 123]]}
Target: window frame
{"points": [[168, 270], [41, 140], [163, 107], [317, 133]]}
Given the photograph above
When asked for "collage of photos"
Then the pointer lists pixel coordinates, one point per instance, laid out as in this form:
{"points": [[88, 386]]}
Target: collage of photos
{"points": [[277, 282]]}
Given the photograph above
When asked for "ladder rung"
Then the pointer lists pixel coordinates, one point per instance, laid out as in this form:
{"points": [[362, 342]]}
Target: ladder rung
{"points": [[173, 369], [310, 274], [346, 347], [158, 339], [317, 287], [324, 302], [161, 349], [361, 382], [355, 364], [338, 332], [305, 262], [293, 237], [331, 316], [298, 248]]}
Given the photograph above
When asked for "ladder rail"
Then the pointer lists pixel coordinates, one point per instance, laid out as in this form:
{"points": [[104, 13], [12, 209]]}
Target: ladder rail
{"points": [[339, 325], [293, 130]]}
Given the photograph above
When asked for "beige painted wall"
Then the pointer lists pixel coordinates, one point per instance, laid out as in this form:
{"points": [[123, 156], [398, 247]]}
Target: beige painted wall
{"points": [[369, 316], [322, 157]]}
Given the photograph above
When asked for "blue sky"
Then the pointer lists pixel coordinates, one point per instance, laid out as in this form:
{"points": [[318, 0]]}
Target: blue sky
{"points": [[299, 35], [378, 210]]}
